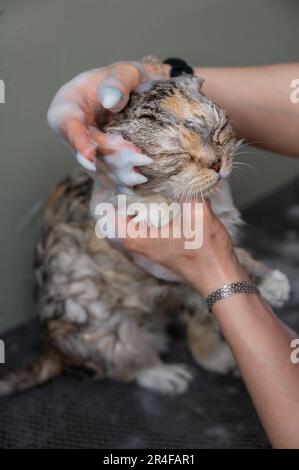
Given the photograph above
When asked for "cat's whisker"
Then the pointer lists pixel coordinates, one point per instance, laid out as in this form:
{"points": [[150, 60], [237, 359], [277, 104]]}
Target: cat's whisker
{"points": [[250, 152], [239, 174], [256, 142], [179, 195], [204, 206], [243, 167], [245, 164]]}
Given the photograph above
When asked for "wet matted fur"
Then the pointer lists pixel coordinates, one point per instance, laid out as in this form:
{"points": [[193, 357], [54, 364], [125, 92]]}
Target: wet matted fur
{"points": [[105, 310]]}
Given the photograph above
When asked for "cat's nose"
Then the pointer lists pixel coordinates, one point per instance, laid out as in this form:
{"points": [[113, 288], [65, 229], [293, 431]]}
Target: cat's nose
{"points": [[216, 166]]}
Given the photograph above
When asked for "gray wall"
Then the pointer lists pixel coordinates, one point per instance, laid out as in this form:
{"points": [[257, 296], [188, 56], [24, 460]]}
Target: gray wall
{"points": [[44, 43]]}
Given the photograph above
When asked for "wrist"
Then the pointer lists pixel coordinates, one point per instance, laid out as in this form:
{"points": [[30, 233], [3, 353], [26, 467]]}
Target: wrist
{"points": [[215, 275]]}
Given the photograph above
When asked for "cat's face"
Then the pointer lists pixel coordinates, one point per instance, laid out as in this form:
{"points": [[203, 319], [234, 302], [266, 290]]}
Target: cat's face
{"points": [[186, 134]]}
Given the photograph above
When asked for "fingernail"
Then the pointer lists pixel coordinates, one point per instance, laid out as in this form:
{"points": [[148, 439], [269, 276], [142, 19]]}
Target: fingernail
{"points": [[142, 160], [86, 164], [109, 96], [131, 178]]}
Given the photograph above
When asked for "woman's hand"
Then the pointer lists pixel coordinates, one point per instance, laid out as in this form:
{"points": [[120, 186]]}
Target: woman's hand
{"points": [[81, 104], [206, 268]]}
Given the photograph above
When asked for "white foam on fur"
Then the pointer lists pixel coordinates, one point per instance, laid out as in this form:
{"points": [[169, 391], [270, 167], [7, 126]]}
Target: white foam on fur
{"points": [[122, 166]]}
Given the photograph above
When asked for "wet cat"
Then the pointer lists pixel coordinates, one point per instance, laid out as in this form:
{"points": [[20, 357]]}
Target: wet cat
{"points": [[106, 310]]}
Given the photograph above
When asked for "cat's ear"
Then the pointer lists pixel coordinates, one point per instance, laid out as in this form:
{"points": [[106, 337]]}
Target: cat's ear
{"points": [[191, 83]]}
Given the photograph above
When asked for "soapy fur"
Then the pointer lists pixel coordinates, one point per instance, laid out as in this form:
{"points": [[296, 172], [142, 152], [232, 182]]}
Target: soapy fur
{"points": [[81, 105], [105, 310]]}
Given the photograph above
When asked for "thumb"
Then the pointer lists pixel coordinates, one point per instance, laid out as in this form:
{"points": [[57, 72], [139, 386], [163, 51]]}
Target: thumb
{"points": [[114, 91]]}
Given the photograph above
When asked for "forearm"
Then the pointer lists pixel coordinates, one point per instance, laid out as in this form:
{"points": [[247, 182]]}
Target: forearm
{"points": [[258, 101], [260, 343], [261, 346]]}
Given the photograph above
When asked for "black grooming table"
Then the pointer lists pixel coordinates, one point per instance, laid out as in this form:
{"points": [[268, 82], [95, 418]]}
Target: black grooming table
{"points": [[75, 412]]}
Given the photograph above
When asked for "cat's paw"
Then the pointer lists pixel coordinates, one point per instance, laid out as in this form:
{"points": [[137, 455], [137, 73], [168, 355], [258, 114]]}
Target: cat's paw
{"points": [[275, 288], [169, 379], [219, 360]]}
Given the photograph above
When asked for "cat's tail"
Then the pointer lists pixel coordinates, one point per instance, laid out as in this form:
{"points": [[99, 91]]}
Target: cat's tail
{"points": [[46, 367]]}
